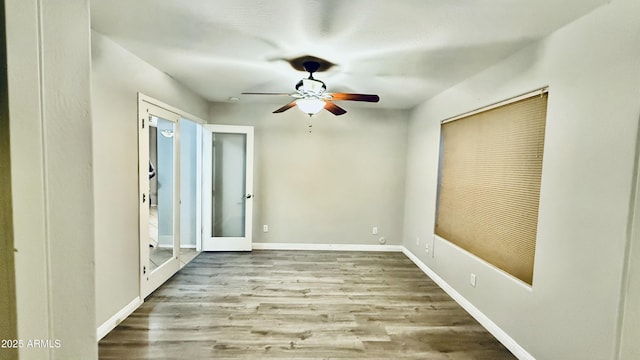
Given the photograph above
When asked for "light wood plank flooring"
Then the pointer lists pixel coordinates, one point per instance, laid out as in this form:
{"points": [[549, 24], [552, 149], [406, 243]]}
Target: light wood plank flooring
{"points": [[300, 305], [158, 256]]}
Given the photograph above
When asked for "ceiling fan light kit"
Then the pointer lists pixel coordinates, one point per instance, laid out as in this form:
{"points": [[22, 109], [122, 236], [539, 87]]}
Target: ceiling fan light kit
{"points": [[311, 96], [310, 106]]}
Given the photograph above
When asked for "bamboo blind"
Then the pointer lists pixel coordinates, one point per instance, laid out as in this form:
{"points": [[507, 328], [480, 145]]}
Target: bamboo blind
{"points": [[489, 183]]}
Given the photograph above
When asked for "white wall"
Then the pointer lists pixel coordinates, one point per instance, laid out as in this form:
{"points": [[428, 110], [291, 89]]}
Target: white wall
{"points": [[592, 70], [330, 186], [51, 158], [117, 78]]}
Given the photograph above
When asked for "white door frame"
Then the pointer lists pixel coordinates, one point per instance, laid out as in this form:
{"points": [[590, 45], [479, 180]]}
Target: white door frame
{"points": [[199, 188], [210, 243]]}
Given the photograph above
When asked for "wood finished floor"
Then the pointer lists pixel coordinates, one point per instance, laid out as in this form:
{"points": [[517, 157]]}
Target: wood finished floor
{"points": [[300, 305], [158, 256]]}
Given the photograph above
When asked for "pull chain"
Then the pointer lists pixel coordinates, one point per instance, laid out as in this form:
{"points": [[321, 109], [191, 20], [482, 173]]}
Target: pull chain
{"points": [[310, 126]]}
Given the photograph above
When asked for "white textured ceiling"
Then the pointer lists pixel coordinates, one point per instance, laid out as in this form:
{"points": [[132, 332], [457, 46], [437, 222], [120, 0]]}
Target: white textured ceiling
{"points": [[403, 50]]}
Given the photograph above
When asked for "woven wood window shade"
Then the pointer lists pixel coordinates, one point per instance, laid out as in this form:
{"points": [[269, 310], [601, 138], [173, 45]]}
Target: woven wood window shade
{"points": [[489, 183]]}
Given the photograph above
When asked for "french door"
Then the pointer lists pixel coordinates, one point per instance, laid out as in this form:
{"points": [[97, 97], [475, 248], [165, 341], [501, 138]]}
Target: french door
{"points": [[227, 202], [159, 154]]}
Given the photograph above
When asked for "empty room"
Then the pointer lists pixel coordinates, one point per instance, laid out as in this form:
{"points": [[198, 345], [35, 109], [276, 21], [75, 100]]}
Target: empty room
{"points": [[320, 179]]}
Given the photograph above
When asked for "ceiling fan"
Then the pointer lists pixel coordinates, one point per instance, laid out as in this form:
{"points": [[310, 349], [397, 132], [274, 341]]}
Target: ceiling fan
{"points": [[310, 95]]}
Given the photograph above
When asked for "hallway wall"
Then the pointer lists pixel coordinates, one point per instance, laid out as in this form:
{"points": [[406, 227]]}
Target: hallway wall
{"points": [[118, 76]]}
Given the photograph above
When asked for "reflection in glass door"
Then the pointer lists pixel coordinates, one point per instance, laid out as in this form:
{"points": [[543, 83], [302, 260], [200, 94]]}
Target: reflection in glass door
{"points": [[161, 191]]}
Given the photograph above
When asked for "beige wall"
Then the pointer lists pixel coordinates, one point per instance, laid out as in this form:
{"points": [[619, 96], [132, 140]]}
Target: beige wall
{"points": [[51, 161], [330, 186], [592, 70], [8, 326], [630, 314], [117, 77]]}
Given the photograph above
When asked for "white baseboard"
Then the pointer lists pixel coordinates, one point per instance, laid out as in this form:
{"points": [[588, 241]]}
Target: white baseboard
{"points": [[333, 247], [116, 319], [494, 329]]}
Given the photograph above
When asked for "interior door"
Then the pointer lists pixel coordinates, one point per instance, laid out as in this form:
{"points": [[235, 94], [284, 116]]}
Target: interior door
{"points": [[227, 203], [159, 173]]}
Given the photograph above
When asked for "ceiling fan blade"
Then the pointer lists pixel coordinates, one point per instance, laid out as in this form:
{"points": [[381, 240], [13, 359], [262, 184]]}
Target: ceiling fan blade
{"points": [[264, 93], [355, 97], [286, 107], [333, 108]]}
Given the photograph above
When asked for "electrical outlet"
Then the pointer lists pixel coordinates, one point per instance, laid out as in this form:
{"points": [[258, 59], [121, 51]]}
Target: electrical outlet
{"points": [[374, 231], [472, 279], [265, 228], [426, 247]]}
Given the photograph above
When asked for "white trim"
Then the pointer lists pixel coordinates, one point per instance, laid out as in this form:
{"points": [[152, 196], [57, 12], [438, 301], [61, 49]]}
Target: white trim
{"points": [[158, 103], [526, 95], [325, 247], [199, 187], [116, 319], [226, 244], [492, 327]]}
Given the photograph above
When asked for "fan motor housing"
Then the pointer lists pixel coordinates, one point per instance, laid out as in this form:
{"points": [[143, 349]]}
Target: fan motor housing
{"points": [[308, 63], [312, 86]]}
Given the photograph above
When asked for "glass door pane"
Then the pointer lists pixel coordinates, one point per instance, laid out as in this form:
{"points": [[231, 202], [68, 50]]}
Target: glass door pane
{"points": [[228, 185], [161, 192]]}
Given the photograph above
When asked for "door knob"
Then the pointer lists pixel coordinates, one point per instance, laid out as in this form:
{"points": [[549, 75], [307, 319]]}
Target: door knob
{"points": [[248, 196]]}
